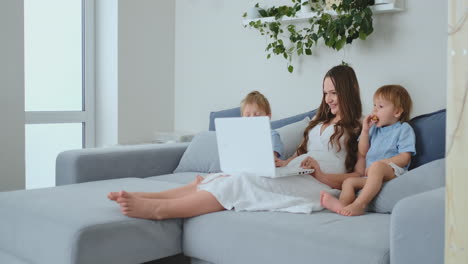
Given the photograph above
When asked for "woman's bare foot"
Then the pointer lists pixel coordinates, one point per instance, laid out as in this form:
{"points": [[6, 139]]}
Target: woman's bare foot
{"points": [[113, 196], [133, 206], [353, 209], [330, 202]]}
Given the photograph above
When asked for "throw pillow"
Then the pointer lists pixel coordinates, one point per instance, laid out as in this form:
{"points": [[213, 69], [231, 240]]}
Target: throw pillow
{"points": [[430, 137], [424, 178], [292, 135], [292, 119], [201, 155]]}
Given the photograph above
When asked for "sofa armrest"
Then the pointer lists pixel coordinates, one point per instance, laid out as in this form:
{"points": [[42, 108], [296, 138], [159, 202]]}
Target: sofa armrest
{"points": [[84, 165], [417, 229]]}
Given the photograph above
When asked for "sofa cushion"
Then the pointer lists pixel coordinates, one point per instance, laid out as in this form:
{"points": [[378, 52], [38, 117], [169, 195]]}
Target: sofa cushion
{"points": [[291, 136], [276, 238], [201, 155], [232, 112], [424, 178], [10, 259], [292, 119], [417, 229], [235, 112], [430, 137], [78, 224]]}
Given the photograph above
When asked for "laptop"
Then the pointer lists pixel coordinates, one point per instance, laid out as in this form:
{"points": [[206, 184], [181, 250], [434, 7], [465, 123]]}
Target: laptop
{"points": [[245, 146]]}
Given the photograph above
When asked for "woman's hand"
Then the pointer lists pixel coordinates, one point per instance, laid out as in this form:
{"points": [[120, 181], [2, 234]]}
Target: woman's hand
{"points": [[311, 163], [307, 163], [280, 162]]}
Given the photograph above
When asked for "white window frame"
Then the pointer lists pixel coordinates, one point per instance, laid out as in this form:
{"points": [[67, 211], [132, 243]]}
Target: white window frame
{"points": [[87, 115]]}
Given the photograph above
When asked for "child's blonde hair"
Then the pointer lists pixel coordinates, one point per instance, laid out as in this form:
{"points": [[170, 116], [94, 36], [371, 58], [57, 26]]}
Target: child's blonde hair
{"points": [[255, 97], [399, 97]]}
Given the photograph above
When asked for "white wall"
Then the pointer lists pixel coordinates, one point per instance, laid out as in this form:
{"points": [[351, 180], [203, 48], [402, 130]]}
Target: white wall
{"points": [[11, 95], [134, 70], [146, 69], [218, 61]]}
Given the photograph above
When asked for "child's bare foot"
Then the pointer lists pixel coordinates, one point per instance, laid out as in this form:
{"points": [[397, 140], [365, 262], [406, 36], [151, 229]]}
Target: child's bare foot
{"points": [[134, 206], [330, 202], [353, 209], [113, 196], [321, 197]]}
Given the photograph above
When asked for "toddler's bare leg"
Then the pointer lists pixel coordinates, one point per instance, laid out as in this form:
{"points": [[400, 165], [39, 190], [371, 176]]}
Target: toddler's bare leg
{"points": [[168, 194], [378, 173], [348, 190], [198, 203], [347, 195]]}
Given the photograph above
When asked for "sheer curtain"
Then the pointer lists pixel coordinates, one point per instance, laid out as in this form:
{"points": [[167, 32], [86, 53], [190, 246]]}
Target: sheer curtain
{"points": [[456, 246]]}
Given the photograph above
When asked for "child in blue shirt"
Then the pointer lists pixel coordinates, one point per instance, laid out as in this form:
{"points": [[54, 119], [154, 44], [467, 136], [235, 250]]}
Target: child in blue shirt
{"points": [[256, 104], [387, 142]]}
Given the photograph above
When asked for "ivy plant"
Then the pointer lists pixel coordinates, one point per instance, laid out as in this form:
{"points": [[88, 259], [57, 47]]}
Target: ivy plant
{"points": [[342, 24]]}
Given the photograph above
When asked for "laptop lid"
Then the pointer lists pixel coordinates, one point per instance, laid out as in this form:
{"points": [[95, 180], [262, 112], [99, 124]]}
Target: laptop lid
{"points": [[244, 145]]}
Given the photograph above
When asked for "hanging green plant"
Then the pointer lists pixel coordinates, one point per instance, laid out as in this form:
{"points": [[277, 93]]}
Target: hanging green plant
{"points": [[340, 25]]}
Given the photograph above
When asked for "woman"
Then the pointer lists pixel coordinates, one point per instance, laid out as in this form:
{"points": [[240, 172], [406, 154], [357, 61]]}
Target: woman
{"points": [[329, 146], [341, 109]]}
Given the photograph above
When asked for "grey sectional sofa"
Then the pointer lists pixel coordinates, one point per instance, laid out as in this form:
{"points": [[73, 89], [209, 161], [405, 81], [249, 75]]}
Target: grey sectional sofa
{"points": [[75, 223]]}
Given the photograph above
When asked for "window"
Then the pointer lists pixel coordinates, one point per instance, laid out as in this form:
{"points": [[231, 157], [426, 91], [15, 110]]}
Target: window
{"points": [[59, 83]]}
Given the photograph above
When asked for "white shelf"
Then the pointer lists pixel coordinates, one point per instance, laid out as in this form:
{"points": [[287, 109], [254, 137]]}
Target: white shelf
{"points": [[397, 6], [394, 7]]}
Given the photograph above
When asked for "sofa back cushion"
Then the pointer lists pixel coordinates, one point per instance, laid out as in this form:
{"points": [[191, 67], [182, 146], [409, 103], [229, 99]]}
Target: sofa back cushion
{"points": [[201, 155], [235, 112], [291, 135], [292, 119], [429, 130], [430, 137]]}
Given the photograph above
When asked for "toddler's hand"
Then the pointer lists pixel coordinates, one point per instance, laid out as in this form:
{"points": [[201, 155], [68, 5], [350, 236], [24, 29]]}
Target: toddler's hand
{"points": [[367, 122]]}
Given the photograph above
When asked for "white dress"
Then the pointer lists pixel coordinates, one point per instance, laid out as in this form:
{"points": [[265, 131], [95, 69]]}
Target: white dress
{"points": [[296, 194]]}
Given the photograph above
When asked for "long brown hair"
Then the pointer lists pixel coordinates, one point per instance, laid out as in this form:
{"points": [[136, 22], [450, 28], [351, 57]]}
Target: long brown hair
{"points": [[349, 101]]}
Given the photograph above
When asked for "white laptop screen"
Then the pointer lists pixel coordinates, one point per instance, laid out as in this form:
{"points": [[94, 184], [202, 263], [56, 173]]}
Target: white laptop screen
{"points": [[245, 146]]}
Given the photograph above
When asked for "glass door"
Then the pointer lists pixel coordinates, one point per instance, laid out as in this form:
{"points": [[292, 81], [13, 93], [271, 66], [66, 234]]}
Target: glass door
{"points": [[59, 83]]}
